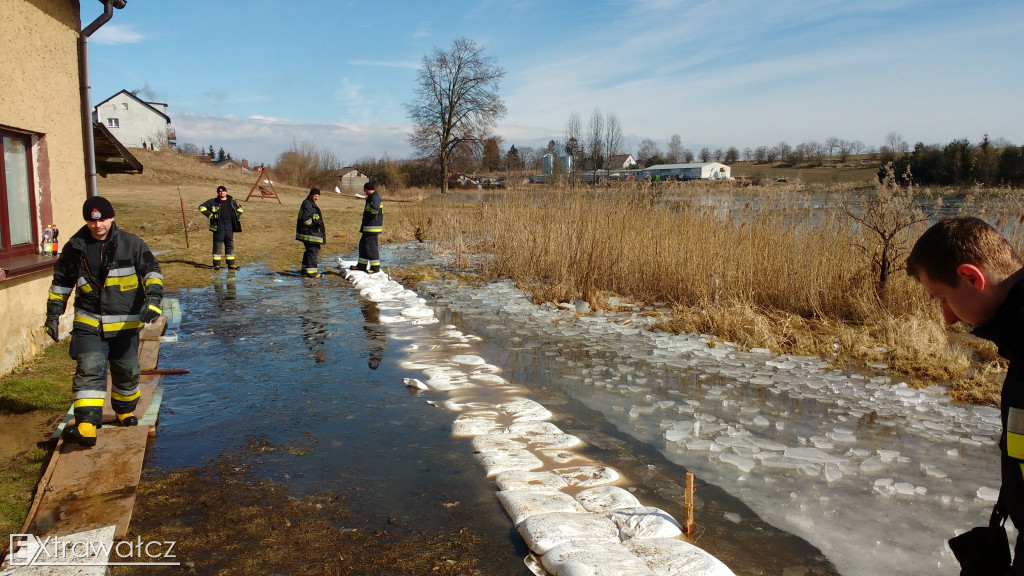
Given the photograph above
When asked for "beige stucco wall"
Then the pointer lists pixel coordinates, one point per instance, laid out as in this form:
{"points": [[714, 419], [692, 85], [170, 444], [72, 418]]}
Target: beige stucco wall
{"points": [[40, 94]]}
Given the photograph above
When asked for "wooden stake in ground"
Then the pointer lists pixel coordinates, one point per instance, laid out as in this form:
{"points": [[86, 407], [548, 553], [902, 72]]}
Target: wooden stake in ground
{"points": [[688, 505], [183, 221]]}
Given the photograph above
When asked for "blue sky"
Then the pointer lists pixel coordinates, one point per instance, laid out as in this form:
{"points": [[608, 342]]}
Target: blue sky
{"points": [[256, 77]]}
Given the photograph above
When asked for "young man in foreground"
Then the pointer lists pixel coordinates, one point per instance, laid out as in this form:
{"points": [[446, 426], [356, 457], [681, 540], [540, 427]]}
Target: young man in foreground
{"points": [[975, 275], [118, 289]]}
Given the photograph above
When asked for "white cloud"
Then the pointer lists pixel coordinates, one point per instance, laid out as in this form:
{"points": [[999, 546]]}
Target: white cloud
{"points": [[261, 139], [112, 34]]}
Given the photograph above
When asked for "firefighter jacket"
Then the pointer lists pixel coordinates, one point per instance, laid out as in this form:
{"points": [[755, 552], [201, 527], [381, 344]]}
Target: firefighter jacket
{"points": [[310, 224], [373, 214], [108, 301], [211, 209], [1006, 330]]}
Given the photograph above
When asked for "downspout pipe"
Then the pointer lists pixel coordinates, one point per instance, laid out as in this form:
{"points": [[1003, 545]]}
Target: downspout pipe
{"points": [[86, 91]]}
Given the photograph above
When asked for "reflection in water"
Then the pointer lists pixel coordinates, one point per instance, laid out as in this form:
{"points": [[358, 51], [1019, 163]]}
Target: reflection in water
{"points": [[376, 338], [314, 324]]}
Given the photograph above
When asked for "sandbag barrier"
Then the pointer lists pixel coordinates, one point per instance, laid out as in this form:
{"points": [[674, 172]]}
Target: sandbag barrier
{"points": [[568, 509]]}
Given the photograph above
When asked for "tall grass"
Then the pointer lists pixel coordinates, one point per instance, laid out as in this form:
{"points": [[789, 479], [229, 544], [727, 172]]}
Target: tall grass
{"points": [[770, 271]]}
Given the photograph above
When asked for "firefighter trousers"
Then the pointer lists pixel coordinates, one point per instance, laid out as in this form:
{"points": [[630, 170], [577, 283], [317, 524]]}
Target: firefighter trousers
{"points": [[310, 258], [224, 238], [369, 254], [94, 354]]}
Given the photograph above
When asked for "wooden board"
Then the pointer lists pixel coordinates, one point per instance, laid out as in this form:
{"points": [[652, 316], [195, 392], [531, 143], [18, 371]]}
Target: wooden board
{"points": [[92, 487]]}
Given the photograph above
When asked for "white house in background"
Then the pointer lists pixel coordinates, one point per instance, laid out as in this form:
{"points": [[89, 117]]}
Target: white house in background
{"points": [[698, 171], [134, 122], [619, 162]]}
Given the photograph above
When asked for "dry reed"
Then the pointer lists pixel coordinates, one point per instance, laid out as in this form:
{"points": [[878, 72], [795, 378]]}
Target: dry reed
{"points": [[763, 271]]}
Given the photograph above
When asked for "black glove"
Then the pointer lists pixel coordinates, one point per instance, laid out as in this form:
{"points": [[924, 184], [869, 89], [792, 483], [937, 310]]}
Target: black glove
{"points": [[52, 327], [150, 310]]}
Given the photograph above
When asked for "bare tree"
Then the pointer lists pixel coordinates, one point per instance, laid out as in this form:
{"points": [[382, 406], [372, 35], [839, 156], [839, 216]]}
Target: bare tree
{"points": [[456, 101], [846, 148], [595, 139], [832, 145], [705, 154], [612, 135], [895, 143], [648, 149], [573, 140], [675, 149]]}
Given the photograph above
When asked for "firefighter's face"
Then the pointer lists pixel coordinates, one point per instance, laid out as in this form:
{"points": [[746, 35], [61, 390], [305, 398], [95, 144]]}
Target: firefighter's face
{"points": [[222, 194], [99, 229]]}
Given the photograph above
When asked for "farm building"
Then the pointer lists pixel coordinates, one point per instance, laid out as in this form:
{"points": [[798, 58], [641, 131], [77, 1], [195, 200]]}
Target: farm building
{"points": [[135, 123], [564, 163], [697, 171], [352, 180]]}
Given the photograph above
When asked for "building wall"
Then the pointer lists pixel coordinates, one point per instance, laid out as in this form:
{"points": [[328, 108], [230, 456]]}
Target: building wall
{"points": [[137, 124], [40, 95]]}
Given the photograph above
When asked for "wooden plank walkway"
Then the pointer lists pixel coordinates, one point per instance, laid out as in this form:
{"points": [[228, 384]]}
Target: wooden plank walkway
{"points": [[88, 490]]}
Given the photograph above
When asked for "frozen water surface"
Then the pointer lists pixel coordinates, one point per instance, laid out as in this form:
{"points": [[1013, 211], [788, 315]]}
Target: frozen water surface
{"points": [[874, 473]]}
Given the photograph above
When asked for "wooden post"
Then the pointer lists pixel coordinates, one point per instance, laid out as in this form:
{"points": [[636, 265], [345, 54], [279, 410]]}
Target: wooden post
{"points": [[184, 222], [688, 505]]}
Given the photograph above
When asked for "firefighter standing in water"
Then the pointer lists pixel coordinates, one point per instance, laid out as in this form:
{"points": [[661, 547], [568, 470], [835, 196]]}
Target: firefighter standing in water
{"points": [[309, 229], [372, 225], [119, 288], [225, 219]]}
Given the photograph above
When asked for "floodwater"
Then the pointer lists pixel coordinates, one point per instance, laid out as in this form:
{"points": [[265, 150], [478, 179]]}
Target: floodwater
{"points": [[801, 471]]}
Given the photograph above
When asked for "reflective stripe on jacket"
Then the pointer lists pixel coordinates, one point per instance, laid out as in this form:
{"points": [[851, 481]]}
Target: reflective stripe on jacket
{"points": [[132, 276], [211, 209], [309, 227], [373, 215]]}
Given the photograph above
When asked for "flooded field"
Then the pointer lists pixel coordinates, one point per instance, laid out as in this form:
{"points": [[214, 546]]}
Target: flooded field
{"points": [[296, 402]]}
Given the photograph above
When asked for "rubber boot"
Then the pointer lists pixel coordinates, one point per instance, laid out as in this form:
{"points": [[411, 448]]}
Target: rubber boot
{"points": [[374, 270], [128, 419], [84, 434], [357, 267]]}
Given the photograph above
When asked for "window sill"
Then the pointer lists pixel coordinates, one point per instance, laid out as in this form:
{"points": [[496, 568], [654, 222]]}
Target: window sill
{"points": [[15, 266]]}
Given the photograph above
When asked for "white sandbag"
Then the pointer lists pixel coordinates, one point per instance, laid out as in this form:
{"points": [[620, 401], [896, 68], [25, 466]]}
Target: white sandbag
{"points": [[475, 424], [530, 429], [606, 498], [553, 441], [418, 312], [674, 557], [468, 359], [527, 480], [543, 532], [445, 383], [499, 461], [521, 504], [493, 442], [488, 378], [586, 476], [644, 522], [562, 457], [524, 409], [593, 559], [458, 405]]}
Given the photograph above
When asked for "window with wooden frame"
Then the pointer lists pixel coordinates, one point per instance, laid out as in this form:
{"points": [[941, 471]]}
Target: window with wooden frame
{"points": [[18, 211]]}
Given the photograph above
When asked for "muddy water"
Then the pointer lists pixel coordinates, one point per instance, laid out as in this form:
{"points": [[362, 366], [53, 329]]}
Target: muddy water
{"points": [[304, 366]]}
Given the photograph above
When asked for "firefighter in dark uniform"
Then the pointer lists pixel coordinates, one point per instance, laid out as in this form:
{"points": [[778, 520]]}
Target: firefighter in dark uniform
{"points": [[225, 219], [372, 225], [119, 288], [309, 229]]}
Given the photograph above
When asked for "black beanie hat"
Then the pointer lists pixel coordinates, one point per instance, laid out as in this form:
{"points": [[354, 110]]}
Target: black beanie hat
{"points": [[97, 208], [314, 191]]}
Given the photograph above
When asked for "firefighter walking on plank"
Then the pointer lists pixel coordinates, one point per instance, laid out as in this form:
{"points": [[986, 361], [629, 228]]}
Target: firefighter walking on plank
{"points": [[118, 288]]}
